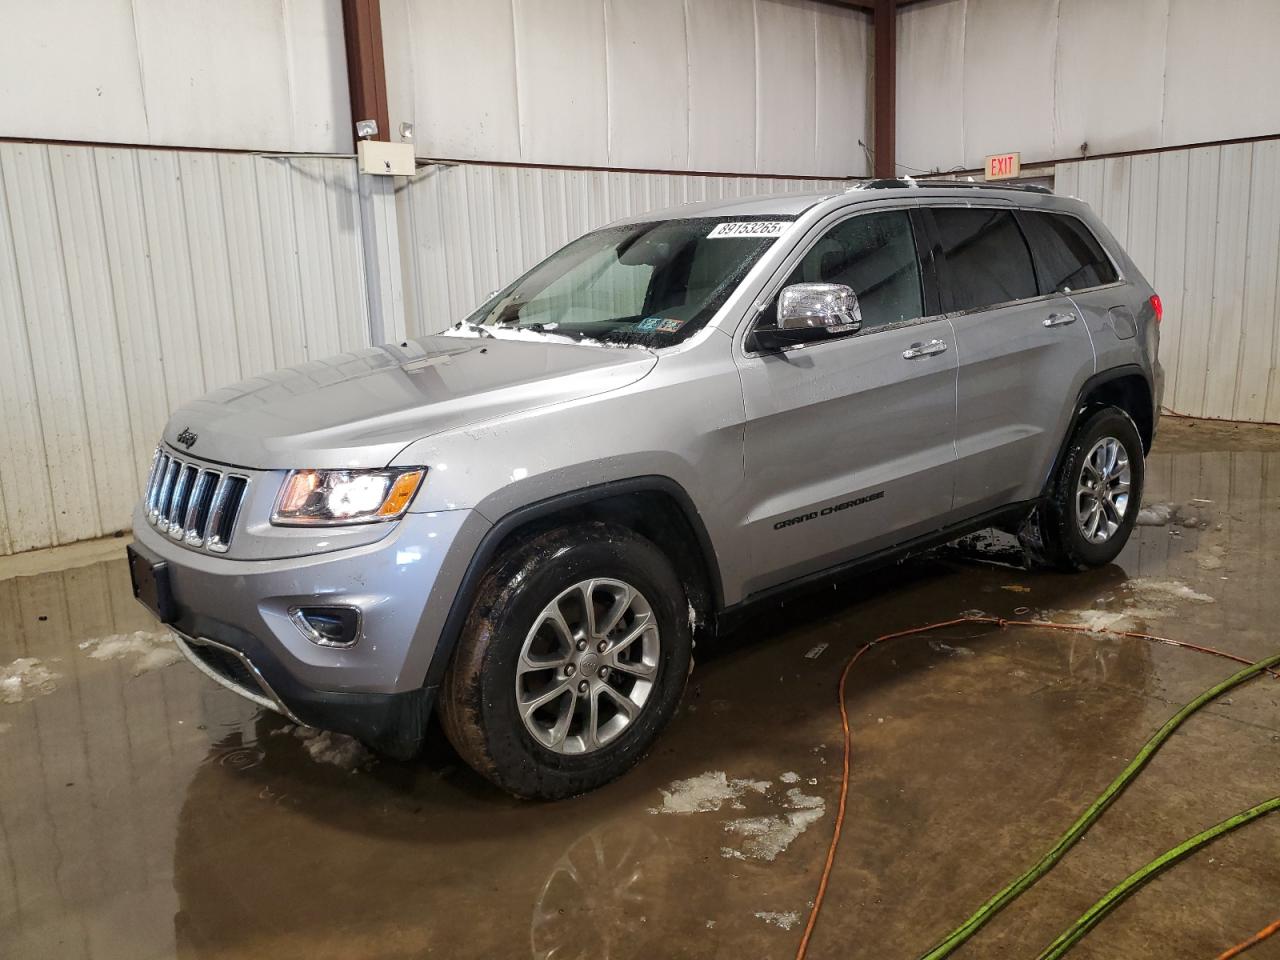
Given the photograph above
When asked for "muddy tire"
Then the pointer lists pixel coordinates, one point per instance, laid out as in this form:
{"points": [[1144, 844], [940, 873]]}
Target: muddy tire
{"points": [[1093, 503], [572, 660]]}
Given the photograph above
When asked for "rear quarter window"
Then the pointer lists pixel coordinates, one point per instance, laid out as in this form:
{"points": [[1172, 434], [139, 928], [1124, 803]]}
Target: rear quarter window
{"points": [[1068, 255]]}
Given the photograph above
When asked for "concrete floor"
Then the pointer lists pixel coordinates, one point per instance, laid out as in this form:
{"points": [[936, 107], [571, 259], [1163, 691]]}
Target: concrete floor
{"points": [[146, 812]]}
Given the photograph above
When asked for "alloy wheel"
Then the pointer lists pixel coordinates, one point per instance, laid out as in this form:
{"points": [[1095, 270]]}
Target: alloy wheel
{"points": [[1102, 494], [587, 666]]}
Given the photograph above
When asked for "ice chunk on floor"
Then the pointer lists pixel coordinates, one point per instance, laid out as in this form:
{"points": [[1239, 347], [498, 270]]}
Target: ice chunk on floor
{"points": [[149, 650], [25, 678], [707, 792], [784, 920]]}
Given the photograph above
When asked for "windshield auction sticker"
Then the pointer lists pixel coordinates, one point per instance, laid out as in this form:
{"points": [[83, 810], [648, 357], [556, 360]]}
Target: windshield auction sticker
{"points": [[750, 228]]}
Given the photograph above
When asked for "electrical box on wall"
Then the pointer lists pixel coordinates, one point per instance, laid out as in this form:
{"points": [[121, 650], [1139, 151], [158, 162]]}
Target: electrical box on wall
{"points": [[385, 159]]}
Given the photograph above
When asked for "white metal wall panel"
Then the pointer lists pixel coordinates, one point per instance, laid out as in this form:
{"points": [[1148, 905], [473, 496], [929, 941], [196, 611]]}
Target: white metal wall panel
{"points": [[1258, 358], [1009, 53], [562, 88], [844, 113], [1222, 70], [1044, 77], [1203, 225], [1109, 75], [472, 228], [648, 100], [132, 281], [234, 74], [930, 96], [732, 86], [722, 85], [786, 98]]}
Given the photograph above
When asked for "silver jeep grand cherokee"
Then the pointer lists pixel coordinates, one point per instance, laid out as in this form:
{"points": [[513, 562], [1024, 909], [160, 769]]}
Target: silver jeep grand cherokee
{"points": [[525, 522]]}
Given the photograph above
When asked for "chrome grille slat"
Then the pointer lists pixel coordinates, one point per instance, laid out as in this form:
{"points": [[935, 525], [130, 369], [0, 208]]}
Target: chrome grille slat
{"points": [[194, 525], [195, 504], [181, 496], [166, 495]]}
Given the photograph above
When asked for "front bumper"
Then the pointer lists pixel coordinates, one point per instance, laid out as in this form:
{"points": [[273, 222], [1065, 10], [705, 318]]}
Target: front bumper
{"points": [[232, 618]]}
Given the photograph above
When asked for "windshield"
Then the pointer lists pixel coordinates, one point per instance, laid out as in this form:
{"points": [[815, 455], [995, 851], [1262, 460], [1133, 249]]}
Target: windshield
{"points": [[650, 283]]}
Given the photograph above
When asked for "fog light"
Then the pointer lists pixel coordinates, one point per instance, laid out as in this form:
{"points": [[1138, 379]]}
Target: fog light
{"points": [[328, 626]]}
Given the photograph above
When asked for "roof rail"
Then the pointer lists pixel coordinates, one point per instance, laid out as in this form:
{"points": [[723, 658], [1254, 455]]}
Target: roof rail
{"points": [[896, 183]]}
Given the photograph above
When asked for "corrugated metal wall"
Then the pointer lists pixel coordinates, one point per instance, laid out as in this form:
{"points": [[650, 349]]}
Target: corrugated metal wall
{"points": [[470, 229], [1204, 226], [134, 280]]}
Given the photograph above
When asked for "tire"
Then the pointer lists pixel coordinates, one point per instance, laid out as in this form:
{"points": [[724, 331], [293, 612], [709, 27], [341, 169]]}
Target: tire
{"points": [[548, 757], [1057, 534]]}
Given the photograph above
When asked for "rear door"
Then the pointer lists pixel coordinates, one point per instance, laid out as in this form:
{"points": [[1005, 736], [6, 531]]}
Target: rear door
{"points": [[849, 440], [1023, 355]]}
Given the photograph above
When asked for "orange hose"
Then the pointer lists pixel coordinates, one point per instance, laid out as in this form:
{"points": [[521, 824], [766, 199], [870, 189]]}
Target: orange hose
{"points": [[1253, 941], [1001, 622]]}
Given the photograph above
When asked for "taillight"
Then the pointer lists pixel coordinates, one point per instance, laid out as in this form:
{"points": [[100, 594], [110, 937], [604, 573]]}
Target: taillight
{"points": [[1157, 306]]}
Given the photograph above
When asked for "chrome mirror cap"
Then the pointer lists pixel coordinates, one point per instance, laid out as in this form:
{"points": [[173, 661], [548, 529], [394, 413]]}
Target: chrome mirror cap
{"points": [[828, 306]]}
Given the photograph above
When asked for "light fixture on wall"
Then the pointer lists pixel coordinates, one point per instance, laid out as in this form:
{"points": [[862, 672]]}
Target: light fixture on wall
{"points": [[366, 129], [406, 132]]}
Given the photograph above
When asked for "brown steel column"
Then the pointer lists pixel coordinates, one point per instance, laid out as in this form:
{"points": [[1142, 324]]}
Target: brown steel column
{"points": [[885, 23], [366, 74]]}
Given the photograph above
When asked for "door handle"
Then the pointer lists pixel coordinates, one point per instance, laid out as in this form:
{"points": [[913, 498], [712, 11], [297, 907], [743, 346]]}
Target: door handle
{"points": [[917, 350], [1059, 319]]}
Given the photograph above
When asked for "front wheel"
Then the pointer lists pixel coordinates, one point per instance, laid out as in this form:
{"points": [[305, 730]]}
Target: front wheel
{"points": [[571, 662], [1093, 503]]}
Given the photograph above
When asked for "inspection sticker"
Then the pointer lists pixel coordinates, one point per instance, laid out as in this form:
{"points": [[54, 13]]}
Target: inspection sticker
{"points": [[750, 228]]}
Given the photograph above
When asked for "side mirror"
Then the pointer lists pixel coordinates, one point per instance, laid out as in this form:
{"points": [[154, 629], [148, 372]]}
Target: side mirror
{"points": [[811, 311]]}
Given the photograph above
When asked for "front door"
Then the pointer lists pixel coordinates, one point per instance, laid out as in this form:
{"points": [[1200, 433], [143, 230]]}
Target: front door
{"points": [[849, 441]]}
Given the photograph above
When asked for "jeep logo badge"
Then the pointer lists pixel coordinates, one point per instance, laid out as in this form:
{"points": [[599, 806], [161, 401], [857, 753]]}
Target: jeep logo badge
{"points": [[187, 438]]}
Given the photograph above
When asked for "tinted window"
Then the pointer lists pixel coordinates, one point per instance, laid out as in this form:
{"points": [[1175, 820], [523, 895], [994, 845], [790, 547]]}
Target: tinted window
{"points": [[1067, 253], [987, 260], [875, 255]]}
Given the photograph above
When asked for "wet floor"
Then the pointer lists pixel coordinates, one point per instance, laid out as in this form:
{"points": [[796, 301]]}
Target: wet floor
{"points": [[146, 812]]}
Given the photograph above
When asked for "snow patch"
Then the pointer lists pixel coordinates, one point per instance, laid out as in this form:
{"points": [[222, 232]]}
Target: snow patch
{"points": [[25, 678], [148, 650], [1149, 590], [790, 777], [338, 749], [784, 920], [707, 792], [946, 648]]}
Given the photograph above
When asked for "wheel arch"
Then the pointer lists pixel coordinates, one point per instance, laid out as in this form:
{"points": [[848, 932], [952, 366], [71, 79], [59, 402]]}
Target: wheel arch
{"points": [[1127, 387], [656, 507]]}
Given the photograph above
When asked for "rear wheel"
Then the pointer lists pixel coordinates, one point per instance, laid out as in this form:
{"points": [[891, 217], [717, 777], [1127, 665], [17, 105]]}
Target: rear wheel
{"points": [[1093, 503], [572, 660]]}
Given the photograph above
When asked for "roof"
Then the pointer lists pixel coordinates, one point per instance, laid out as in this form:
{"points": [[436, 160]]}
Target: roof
{"points": [[794, 204]]}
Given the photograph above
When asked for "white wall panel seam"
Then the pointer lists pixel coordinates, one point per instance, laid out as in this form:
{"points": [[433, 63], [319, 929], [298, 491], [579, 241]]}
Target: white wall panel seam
{"points": [[74, 359], [37, 423]]}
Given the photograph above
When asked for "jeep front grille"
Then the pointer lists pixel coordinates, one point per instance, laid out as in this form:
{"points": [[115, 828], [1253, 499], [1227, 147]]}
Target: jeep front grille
{"points": [[193, 503]]}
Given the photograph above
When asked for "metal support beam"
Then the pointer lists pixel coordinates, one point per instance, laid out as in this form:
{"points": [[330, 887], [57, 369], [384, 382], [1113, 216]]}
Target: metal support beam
{"points": [[885, 24], [366, 74]]}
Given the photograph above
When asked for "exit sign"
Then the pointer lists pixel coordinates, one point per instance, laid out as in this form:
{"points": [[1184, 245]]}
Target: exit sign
{"points": [[1003, 166]]}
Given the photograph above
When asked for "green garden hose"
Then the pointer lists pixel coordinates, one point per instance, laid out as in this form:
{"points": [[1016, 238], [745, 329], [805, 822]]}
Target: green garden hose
{"points": [[1006, 896], [1094, 915]]}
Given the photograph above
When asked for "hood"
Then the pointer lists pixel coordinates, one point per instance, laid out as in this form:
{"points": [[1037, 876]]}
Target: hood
{"points": [[360, 409]]}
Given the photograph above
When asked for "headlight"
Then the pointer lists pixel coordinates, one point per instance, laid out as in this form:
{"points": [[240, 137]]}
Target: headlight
{"points": [[333, 497]]}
